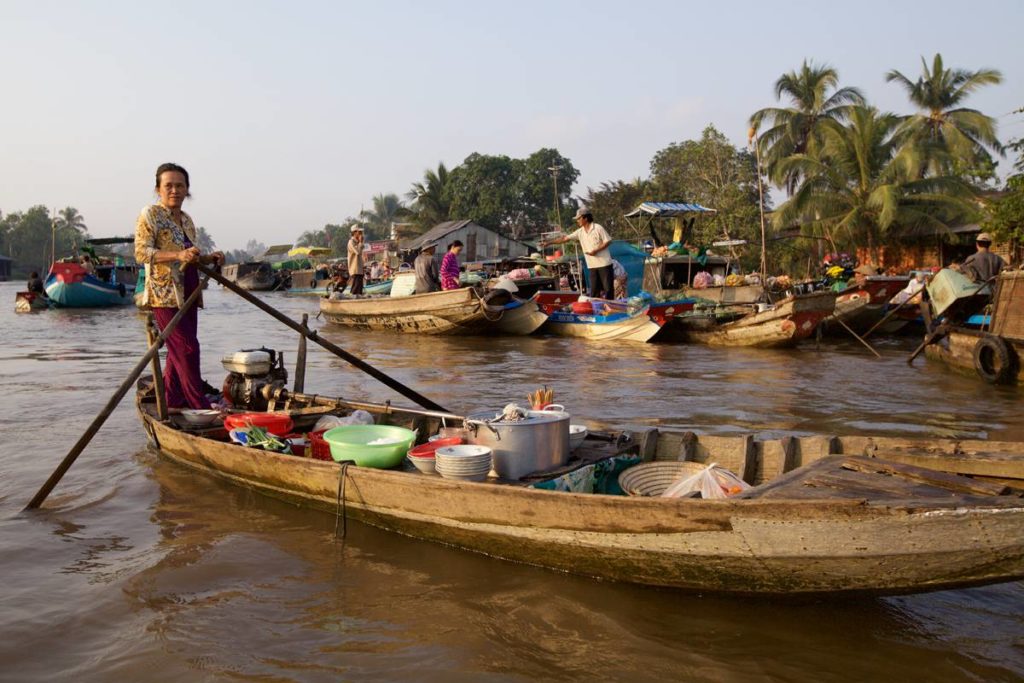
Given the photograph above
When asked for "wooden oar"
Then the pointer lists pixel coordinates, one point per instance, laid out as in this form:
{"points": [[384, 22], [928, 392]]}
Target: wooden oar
{"points": [[885, 317], [84, 440], [858, 337], [314, 337]]}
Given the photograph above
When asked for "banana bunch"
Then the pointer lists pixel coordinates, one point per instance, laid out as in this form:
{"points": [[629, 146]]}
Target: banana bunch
{"points": [[540, 398]]}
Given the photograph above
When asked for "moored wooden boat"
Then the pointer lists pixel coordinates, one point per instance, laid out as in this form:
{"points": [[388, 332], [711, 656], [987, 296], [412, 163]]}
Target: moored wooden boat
{"points": [[27, 302], [834, 524], [520, 317], [256, 276], [454, 311], [633, 326], [861, 306], [69, 285], [782, 324]]}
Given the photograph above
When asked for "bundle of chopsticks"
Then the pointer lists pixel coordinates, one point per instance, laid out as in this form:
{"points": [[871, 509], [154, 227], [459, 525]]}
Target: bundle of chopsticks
{"points": [[540, 398]]}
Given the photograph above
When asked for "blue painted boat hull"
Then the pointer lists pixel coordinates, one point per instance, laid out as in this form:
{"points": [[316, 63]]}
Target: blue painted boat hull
{"points": [[90, 292]]}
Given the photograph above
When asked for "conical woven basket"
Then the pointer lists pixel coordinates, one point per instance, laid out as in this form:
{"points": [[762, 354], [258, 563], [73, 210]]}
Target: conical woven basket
{"points": [[653, 478]]}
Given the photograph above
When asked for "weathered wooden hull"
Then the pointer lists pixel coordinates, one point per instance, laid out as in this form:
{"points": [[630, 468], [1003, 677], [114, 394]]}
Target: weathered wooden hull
{"points": [[634, 328], [27, 302], [454, 312], [732, 546], [859, 308], [956, 349], [790, 321], [521, 318]]}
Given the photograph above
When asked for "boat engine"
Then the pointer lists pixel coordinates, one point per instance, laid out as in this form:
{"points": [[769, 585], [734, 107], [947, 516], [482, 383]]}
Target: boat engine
{"points": [[253, 374]]}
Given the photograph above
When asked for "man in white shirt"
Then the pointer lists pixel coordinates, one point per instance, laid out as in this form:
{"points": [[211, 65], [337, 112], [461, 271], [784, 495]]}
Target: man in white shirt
{"points": [[594, 241]]}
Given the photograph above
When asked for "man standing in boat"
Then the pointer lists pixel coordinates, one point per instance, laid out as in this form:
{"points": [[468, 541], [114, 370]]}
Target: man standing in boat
{"points": [[982, 265], [594, 241], [355, 261]]}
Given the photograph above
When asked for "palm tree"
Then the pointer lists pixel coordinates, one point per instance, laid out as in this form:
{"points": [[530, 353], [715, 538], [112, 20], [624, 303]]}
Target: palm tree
{"points": [[387, 209], [815, 97], [863, 183], [949, 133], [430, 204], [69, 217]]}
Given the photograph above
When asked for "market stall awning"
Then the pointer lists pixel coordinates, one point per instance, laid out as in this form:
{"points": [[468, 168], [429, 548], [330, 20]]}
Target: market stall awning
{"points": [[311, 251], [667, 209]]}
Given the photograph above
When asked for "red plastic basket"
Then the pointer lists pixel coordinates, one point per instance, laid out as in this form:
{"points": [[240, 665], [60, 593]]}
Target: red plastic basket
{"points": [[582, 307], [319, 449]]}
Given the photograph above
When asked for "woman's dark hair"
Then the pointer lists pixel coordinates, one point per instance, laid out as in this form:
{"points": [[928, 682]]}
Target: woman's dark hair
{"points": [[164, 168], [456, 243]]}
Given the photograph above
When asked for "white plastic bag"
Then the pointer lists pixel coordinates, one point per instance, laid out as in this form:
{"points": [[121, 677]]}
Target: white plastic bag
{"points": [[358, 417], [712, 482]]}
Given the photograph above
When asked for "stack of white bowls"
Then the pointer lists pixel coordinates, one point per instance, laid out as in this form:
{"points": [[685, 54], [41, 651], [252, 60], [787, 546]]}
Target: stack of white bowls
{"points": [[465, 462]]}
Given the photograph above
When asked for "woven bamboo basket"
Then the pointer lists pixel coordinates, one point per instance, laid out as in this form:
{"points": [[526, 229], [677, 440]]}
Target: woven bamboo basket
{"points": [[653, 478]]}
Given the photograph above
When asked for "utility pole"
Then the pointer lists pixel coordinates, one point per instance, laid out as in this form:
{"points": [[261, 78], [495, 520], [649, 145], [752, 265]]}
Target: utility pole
{"points": [[558, 209]]}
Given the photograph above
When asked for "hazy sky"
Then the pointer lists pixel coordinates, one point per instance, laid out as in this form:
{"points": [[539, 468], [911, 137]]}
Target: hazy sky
{"points": [[290, 115]]}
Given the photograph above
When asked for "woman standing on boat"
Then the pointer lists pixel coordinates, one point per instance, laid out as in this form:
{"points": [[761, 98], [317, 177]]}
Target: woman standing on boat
{"points": [[165, 242], [450, 266]]}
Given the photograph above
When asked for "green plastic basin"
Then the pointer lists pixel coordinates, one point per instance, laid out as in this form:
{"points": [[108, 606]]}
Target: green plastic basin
{"points": [[352, 442]]}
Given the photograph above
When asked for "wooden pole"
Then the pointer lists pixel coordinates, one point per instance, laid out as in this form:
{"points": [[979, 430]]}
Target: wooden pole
{"points": [[859, 338], [84, 440], [884, 318], [152, 334], [314, 337], [300, 359]]}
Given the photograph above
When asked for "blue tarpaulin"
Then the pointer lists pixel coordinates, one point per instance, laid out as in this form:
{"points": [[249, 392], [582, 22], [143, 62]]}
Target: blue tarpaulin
{"points": [[631, 258]]}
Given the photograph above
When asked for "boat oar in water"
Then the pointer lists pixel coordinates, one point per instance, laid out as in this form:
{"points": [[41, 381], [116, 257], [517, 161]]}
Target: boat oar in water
{"points": [[314, 337], [84, 440]]}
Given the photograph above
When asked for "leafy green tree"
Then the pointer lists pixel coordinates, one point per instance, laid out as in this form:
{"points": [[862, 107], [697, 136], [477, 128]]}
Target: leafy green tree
{"points": [[430, 202], [69, 217], [1006, 214], [613, 200], [483, 188], [536, 189], [30, 236], [814, 96], [713, 173], [862, 187], [204, 240], [513, 196], [387, 209], [951, 136]]}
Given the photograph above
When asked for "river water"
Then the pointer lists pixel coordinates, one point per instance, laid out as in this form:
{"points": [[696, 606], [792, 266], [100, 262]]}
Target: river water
{"points": [[139, 570]]}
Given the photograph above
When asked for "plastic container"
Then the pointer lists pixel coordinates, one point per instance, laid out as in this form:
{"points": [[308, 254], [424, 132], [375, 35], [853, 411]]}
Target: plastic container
{"points": [[427, 450], [582, 307], [353, 442], [247, 362], [319, 449], [278, 424]]}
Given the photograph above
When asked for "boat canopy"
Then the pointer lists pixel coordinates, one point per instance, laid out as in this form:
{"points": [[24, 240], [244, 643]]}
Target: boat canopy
{"points": [[277, 250], [667, 209], [110, 240], [311, 251]]}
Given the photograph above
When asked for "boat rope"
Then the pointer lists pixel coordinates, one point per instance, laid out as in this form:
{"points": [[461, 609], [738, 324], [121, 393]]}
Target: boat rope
{"points": [[340, 513]]}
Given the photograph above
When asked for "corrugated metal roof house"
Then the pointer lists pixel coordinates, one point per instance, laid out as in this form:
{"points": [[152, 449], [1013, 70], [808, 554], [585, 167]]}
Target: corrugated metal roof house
{"points": [[480, 243]]}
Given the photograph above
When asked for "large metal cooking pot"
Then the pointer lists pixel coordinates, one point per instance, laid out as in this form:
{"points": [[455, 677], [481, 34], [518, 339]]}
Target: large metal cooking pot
{"points": [[539, 442]]}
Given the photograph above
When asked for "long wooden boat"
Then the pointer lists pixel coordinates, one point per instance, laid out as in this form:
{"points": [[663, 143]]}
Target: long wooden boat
{"points": [[256, 276], [861, 306], [781, 325], [634, 326], [994, 351], [453, 311], [823, 516], [28, 302], [69, 285], [521, 317]]}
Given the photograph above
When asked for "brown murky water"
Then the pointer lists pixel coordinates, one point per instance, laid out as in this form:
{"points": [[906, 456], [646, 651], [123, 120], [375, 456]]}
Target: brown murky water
{"points": [[138, 570]]}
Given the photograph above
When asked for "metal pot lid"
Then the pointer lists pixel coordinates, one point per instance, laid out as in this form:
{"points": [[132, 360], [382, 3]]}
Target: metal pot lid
{"points": [[533, 417]]}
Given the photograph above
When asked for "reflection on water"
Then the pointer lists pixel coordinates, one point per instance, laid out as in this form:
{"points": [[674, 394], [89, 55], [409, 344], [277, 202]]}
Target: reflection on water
{"points": [[141, 570]]}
